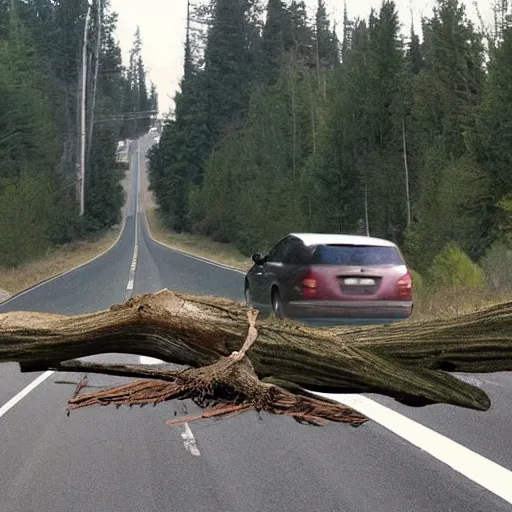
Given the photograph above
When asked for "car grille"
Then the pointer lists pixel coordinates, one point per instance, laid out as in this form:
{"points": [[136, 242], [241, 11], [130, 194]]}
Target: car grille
{"points": [[359, 285]]}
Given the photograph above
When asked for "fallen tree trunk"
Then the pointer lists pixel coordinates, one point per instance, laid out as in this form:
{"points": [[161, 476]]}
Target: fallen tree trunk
{"points": [[276, 362]]}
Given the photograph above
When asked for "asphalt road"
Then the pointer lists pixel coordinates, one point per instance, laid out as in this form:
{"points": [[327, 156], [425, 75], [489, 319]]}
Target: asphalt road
{"points": [[108, 460]]}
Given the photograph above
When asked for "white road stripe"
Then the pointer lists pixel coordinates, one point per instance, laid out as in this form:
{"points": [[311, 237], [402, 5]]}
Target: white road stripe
{"points": [[189, 441], [482, 471], [149, 360], [475, 467], [133, 267], [24, 392]]}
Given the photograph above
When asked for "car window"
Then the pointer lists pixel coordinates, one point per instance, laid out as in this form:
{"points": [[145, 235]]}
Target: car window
{"points": [[277, 252], [297, 253], [367, 255]]}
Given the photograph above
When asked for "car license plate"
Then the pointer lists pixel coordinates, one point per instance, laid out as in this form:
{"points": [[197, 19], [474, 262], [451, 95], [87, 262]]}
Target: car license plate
{"points": [[359, 281]]}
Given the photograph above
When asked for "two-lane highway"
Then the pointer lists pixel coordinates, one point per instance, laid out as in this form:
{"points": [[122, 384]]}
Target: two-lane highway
{"points": [[108, 460]]}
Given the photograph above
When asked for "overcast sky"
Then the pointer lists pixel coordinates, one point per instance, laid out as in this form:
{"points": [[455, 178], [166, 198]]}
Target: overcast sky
{"points": [[162, 24]]}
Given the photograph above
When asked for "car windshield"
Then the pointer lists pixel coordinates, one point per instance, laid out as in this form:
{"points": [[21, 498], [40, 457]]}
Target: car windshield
{"points": [[356, 255]]}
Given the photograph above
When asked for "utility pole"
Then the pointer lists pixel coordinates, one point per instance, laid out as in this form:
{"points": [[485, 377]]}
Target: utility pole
{"points": [[406, 168], [366, 219], [317, 29], [83, 129], [99, 22]]}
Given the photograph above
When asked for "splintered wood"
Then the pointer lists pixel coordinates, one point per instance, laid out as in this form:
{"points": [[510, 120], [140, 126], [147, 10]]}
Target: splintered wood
{"points": [[227, 387], [237, 362]]}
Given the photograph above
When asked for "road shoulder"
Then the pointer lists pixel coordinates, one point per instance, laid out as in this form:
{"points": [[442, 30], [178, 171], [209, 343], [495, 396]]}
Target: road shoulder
{"points": [[202, 247]]}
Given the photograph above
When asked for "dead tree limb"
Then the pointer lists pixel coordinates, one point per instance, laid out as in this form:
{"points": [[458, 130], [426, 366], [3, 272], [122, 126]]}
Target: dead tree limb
{"points": [[237, 362]]}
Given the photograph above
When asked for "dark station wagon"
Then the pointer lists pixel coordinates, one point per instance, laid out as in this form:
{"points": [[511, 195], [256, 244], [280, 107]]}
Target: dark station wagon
{"points": [[330, 279]]}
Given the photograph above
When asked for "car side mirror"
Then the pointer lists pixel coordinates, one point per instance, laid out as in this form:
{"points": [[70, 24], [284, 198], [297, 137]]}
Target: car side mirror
{"points": [[258, 258]]}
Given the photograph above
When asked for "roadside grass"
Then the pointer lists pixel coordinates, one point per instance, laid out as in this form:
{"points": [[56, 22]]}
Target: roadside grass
{"points": [[57, 260], [196, 245], [453, 302]]}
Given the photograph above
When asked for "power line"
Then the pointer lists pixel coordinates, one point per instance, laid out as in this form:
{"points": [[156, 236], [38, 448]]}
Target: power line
{"points": [[129, 116]]}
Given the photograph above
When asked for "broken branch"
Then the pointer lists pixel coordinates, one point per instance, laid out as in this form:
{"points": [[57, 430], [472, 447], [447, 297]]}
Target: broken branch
{"points": [[231, 364]]}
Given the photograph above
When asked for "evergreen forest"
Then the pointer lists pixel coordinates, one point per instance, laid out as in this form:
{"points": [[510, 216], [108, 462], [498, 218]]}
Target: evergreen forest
{"points": [[41, 62], [286, 122]]}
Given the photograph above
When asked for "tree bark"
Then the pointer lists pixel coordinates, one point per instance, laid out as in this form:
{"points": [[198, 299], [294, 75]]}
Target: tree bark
{"points": [[271, 368]]}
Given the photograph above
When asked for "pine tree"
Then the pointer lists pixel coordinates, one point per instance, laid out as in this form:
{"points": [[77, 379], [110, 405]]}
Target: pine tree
{"points": [[275, 40], [490, 147], [228, 56], [326, 41], [27, 147], [177, 163], [380, 134], [40, 67], [447, 92]]}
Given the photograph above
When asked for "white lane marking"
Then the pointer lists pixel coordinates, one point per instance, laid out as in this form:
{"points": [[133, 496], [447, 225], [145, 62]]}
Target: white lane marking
{"points": [[133, 266], [24, 392], [189, 441], [475, 467], [149, 360]]}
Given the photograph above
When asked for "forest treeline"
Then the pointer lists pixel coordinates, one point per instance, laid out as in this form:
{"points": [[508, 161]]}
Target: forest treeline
{"points": [[40, 78], [280, 125]]}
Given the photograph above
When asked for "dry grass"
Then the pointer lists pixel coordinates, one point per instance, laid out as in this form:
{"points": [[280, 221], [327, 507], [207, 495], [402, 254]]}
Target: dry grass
{"points": [[57, 260], [450, 303], [202, 246]]}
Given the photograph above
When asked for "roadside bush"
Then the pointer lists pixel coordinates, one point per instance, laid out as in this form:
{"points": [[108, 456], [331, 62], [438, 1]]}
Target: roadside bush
{"points": [[417, 283], [452, 268], [497, 266], [505, 216], [25, 208]]}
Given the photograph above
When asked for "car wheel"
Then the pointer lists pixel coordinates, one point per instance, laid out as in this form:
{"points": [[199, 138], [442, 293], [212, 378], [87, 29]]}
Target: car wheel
{"points": [[277, 305], [248, 299]]}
